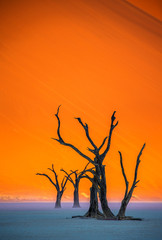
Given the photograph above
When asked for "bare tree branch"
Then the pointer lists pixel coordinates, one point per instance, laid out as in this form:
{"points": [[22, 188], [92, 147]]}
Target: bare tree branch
{"points": [[82, 172], [137, 165], [85, 126], [42, 174], [91, 150], [92, 181], [85, 166], [68, 176], [58, 130], [102, 144], [123, 172], [110, 134], [128, 195], [57, 183], [63, 184], [61, 141], [86, 171]]}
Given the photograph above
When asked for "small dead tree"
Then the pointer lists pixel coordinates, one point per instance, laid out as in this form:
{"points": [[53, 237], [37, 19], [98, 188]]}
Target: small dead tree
{"points": [[128, 194], [99, 179], [60, 188], [75, 183]]}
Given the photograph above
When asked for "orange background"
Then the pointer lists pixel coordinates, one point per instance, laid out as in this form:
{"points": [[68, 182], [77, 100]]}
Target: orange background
{"points": [[93, 57]]}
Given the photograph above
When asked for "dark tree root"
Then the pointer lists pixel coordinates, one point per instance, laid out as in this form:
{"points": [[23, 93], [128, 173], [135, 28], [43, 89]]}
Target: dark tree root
{"points": [[129, 218], [100, 216], [94, 214], [88, 215], [79, 216], [123, 218]]}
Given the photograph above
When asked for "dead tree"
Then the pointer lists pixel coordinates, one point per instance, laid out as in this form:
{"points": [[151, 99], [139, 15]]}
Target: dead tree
{"points": [[99, 179], [60, 188], [128, 194], [75, 183]]}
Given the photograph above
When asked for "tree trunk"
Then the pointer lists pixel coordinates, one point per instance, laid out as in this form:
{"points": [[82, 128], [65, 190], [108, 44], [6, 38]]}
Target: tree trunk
{"points": [[128, 194], [58, 200], [122, 210], [76, 197], [121, 213], [100, 171], [106, 210], [123, 207], [93, 211]]}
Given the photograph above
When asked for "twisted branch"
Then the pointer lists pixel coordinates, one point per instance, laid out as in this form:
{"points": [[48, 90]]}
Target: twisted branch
{"points": [[68, 177], [85, 126], [61, 141], [43, 174], [123, 172], [110, 134], [54, 175], [135, 181]]}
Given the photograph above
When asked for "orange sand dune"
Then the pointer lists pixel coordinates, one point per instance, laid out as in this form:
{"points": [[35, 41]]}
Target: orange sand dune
{"points": [[152, 7], [93, 57]]}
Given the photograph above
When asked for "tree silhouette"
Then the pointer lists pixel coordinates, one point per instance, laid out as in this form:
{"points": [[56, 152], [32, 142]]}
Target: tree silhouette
{"points": [[99, 179], [77, 177], [60, 188], [128, 194]]}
